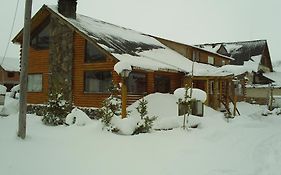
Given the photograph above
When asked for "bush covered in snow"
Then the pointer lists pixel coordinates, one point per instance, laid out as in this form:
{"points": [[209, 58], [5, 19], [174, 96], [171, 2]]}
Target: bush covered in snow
{"points": [[77, 117], [111, 106], [56, 110], [110, 116]]}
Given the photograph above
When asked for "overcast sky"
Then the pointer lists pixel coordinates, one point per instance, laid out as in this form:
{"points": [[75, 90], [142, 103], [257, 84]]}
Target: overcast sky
{"points": [[187, 21]]}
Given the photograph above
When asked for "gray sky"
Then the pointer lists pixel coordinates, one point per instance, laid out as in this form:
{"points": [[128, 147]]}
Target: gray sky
{"points": [[187, 21]]}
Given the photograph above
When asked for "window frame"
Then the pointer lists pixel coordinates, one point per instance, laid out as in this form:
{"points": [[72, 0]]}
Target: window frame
{"points": [[87, 90], [211, 60], [34, 90], [160, 77], [196, 56], [128, 82]]}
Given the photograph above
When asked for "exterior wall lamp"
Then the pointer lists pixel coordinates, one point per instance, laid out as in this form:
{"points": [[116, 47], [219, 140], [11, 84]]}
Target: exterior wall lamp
{"points": [[124, 75]]}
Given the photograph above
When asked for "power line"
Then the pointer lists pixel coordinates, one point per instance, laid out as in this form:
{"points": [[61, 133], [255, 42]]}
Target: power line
{"points": [[11, 31]]}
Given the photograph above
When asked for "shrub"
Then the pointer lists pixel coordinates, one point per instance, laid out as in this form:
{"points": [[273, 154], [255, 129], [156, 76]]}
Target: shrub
{"points": [[56, 110], [146, 123]]}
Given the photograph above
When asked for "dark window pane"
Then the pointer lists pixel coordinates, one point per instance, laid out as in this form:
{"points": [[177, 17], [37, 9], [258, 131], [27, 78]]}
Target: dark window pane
{"points": [[97, 81], [136, 83], [40, 37], [92, 54], [162, 84], [11, 74]]}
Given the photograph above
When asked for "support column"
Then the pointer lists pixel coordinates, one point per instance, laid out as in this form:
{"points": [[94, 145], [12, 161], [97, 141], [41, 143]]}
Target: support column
{"points": [[216, 94], [208, 92]]}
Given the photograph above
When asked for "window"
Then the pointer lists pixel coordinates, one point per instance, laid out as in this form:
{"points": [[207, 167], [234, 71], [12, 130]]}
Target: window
{"points": [[34, 83], [162, 84], [11, 74], [93, 54], [196, 56], [223, 62], [97, 81], [40, 37], [136, 83], [211, 60]]}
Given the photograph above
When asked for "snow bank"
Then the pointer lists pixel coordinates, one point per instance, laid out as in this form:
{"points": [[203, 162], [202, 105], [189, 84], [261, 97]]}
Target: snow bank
{"points": [[3, 89], [77, 117]]}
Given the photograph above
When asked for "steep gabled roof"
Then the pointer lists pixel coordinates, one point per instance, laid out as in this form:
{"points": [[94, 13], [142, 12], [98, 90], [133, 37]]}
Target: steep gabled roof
{"points": [[240, 51]]}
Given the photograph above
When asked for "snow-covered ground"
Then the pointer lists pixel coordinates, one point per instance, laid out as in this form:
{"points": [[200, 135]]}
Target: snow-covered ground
{"points": [[250, 144]]}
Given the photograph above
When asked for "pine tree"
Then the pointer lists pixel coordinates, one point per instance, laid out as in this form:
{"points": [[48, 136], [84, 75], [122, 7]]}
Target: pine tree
{"points": [[142, 108], [56, 110], [146, 123], [111, 106]]}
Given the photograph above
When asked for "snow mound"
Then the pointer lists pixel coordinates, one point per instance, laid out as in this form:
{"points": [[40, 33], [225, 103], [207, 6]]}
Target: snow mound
{"points": [[168, 103], [77, 117], [197, 94], [3, 89], [127, 125]]}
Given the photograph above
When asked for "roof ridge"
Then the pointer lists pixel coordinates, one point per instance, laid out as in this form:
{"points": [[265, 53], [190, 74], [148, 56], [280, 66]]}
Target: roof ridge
{"points": [[233, 42]]}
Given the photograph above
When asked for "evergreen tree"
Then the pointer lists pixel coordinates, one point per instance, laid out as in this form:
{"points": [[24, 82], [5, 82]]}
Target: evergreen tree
{"points": [[146, 123], [56, 110], [111, 106]]}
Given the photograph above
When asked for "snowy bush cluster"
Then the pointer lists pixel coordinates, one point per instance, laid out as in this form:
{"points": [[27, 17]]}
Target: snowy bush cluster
{"points": [[112, 121], [56, 110]]}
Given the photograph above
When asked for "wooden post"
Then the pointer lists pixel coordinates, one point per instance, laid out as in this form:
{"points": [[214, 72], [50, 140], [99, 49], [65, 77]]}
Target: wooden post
{"points": [[220, 95], [23, 73], [271, 98], [234, 104], [216, 93], [124, 98], [207, 91]]}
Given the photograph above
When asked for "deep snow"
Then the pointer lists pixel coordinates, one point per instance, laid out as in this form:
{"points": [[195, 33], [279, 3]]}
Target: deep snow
{"points": [[250, 144]]}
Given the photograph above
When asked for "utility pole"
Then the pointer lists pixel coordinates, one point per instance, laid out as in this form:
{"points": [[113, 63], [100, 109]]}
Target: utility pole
{"points": [[23, 72]]}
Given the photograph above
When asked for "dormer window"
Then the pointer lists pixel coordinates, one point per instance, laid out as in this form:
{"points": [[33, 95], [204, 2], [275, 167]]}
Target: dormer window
{"points": [[40, 37], [93, 54]]}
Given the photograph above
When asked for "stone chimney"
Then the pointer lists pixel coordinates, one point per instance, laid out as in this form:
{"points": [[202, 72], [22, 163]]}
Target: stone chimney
{"points": [[67, 8]]}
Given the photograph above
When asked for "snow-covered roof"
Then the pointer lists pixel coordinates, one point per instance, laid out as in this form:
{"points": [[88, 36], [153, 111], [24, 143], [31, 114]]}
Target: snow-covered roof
{"points": [[240, 51], [249, 66], [275, 76], [10, 64], [135, 48]]}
